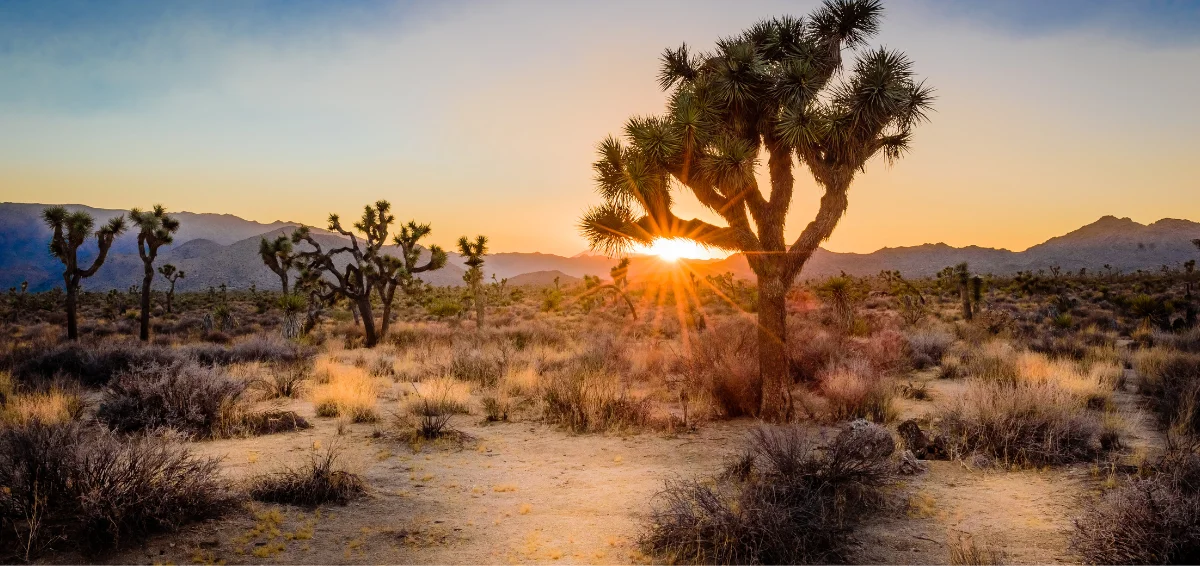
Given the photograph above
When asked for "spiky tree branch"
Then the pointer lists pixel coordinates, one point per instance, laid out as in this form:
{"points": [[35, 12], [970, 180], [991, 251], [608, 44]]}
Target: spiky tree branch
{"points": [[69, 231]]}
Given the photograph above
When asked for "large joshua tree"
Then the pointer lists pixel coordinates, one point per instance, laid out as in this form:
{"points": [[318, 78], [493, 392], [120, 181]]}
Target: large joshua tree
{"points": [[69, 231], [368, 271], [278, 257], [155, 229], [777, 89], [474, 252]]}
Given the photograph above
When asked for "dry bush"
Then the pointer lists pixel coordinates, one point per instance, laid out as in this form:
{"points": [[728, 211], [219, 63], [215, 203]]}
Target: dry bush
{"points": [[286, 380], [722, 365], [93, 364], [68, 487], [927, 347], [855, 390], [1153, 519], [183, 395], [886, 351], [1027, 423], [521, 381], [1187, 341], [320, 481], [496, 408], [346, 392], [1172, 379], [1093, 387], [810, 350], [586, 400], [790, 498], [476, 366], [994, 361]]}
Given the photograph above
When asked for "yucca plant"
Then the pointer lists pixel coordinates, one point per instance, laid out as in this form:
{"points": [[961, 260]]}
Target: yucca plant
{"points": [[171, 274], [155, 229], [778, 88], [474, 252], [69, 231], [369, 270]]}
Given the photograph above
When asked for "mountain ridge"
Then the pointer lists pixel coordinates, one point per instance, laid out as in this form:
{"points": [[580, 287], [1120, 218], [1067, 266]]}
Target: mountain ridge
{"points": [[223, 248]]}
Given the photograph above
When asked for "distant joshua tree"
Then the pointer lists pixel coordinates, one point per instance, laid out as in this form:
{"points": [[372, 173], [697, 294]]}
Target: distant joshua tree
{"points": [[779, 89], [70, 230], [474, 252], [171, 274], [155, 229], [369, 272], [278, 257]]}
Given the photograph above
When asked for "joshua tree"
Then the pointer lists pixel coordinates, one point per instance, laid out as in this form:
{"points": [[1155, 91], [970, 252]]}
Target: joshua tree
{"points": [[155, 229], [964, 288], [474, 252], [70, 229], [278, 257], [172, 275], [368, 270], [778, 88]]}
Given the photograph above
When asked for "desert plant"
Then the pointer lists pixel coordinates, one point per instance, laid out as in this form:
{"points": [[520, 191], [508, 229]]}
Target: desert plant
{"points": [[789, 498], [1025, 423], [1151, 519], [928, 347], [70, 487], [350, 392], [370, 272], [320, 481], [291, 305], [70, 230], [171, 274], [155, 229], [278, 256], [474, 252], [777, 89], [184, 395]]}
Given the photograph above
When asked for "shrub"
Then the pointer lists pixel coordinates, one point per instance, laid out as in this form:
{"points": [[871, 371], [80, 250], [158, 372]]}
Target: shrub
{"points": [[995, 361], [475, 366], [1172, 379], [186, 396], [1027, 423], [927, 347], [855, 391], [1153, 519], [723, 363], [67, 487], [93, 364], [318, 482], [286, 380], [585, 400], [788, 499]]}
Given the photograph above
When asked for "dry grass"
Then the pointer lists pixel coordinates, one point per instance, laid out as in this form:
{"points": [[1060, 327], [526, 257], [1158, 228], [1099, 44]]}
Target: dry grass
{"points": [[47, 407], [522, 381], [1094, 387], [346, 391], [318, 482], [855, 391], [964, 551]]}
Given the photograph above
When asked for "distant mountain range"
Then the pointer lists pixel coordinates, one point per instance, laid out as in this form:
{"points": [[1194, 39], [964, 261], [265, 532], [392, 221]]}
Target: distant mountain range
{"points": [[221, 248]]}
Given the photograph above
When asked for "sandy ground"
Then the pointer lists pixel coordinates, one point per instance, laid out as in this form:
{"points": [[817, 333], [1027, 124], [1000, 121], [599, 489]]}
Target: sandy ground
{"points": [[527, 492]]}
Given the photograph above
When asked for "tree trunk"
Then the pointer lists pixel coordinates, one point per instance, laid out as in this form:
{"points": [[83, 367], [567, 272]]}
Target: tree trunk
{"points": [[479, 307], [966, 302], [368, 322], [147, 280], [283, 279], [776, 401], [72, 323], [170, 296]]}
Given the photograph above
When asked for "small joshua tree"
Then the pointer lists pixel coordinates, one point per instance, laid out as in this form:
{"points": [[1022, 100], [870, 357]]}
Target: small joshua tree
{"points": [[780, 90], [69, 231], [474, 252], [368, 271], [155, 229], [278, 257], [963, 274], [171, 274]]}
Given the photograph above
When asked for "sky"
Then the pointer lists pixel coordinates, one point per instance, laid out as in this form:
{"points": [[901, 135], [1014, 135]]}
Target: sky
{"points": [[483, 117]]}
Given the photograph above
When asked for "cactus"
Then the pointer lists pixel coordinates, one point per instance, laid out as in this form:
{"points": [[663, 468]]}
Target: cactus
{"points": [[474, 252], [368, 272], [171, 274], [155, 229], [278, 257], [70, 230]]}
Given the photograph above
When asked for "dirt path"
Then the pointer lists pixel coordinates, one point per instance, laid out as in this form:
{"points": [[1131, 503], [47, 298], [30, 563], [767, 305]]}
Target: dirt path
{"points": [[517, 493]]}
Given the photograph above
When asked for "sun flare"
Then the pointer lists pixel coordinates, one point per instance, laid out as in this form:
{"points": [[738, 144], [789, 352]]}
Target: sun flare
{"points": [[675, 249]]}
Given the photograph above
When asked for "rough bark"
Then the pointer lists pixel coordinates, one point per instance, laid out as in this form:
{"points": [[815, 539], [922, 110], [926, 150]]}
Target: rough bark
{"points": [[144, 319], [72, 299], [776, 401]]}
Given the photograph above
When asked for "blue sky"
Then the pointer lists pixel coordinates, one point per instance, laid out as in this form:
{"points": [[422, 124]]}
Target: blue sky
{"points": [[482, 117]]}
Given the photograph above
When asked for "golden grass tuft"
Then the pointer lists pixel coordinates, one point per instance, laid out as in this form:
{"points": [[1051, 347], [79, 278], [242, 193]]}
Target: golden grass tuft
{"points": [[48, 407], [346, 391]]}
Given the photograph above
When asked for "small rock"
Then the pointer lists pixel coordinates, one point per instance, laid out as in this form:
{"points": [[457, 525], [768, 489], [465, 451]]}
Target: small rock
{"points": [[910, 465]]}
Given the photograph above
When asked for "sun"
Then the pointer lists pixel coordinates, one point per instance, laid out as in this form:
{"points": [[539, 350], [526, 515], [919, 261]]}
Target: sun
{"points": [[675, 249]]}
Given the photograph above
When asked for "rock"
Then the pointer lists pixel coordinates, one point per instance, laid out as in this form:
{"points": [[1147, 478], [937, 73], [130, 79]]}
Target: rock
{"points": [[909, 464], [920, 444]]}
